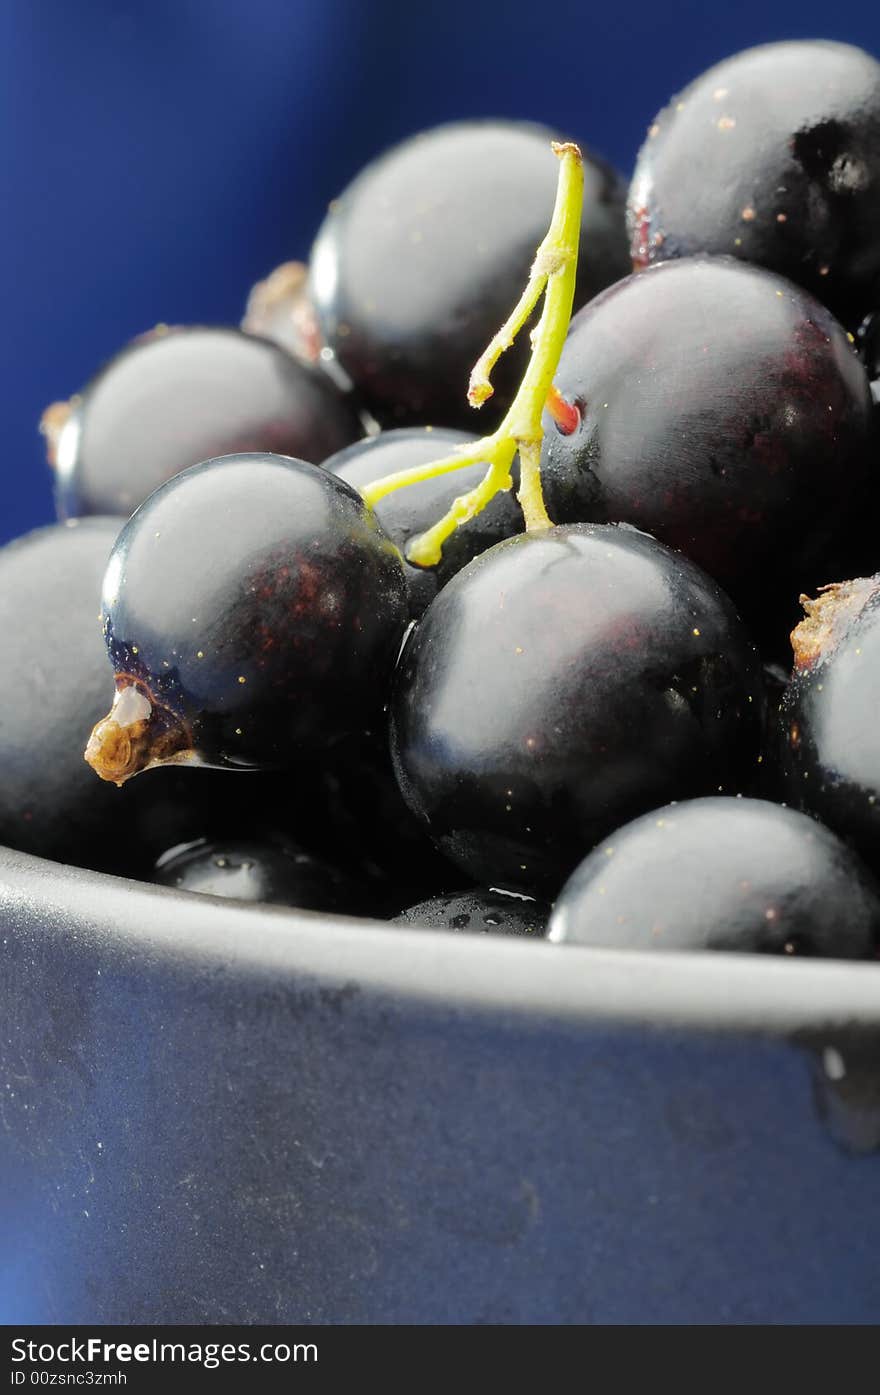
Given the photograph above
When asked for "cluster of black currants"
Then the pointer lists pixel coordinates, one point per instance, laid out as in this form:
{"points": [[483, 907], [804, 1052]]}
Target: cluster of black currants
{"points": [[325, 595]]}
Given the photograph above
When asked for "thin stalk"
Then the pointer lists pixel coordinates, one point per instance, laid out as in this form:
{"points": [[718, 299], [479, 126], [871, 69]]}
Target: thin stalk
{"points": [[553, 275]]}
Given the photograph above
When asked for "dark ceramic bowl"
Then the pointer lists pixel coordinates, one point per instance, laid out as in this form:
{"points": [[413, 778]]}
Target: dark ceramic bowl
{"points": [[213, 1113]]}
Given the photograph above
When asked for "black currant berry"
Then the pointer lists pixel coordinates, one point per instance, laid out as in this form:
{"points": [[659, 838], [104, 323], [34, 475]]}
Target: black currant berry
{"points": [[253, 609], [423, 256], [722, 409], [178, 396], [563, 682], [409, 512], [479, 912], [829, 734], [726, 874], [54, 685], [278, 873], [772, 156]]}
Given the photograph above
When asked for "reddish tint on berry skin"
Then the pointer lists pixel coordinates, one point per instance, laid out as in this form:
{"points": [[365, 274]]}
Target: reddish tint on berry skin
{"points": [[562, 683], [425, 254], [829, 734], [772, 156], [723, 410], [727, 874], [256, 607], [175, 397], [408, 512]]}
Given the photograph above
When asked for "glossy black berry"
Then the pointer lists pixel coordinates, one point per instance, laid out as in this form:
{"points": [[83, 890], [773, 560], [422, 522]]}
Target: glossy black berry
{"points": [[829, 734], [722, 409], [424, 255], [178, 396], [253, 609], [772, 156], [562, 683], [279, 873], [408, 512], [724, 874], [479, 912], [54, 685]]}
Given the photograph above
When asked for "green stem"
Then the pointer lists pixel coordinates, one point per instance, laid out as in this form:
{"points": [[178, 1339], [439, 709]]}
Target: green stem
{"points": [[553, 274]]}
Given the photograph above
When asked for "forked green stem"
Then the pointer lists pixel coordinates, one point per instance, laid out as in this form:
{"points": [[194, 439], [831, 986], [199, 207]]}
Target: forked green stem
{"points": [[553, 274]]}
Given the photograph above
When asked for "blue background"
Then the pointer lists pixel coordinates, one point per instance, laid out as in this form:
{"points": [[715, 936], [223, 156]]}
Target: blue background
{"points": [[159, 157]]}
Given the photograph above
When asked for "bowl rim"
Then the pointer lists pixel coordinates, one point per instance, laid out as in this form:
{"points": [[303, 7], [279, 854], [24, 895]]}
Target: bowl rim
{"points": [[521, 980]]}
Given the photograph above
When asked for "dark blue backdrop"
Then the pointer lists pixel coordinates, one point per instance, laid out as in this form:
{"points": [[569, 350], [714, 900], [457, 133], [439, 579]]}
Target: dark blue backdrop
{"points": [[158, 157]]}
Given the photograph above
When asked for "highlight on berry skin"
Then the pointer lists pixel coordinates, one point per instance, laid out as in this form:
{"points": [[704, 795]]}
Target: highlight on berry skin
{"points": [[252, 612]]}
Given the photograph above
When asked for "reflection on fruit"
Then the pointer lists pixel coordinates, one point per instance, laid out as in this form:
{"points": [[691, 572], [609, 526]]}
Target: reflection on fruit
{"points": [[562, 683], [724, 874]]}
